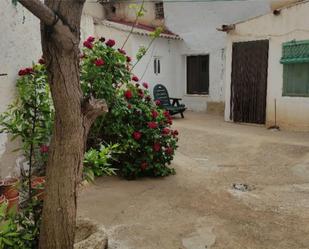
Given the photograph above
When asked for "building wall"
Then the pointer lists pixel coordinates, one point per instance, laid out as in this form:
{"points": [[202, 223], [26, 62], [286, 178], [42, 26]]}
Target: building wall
{"points": [[289, 25], [167, 50], [196, 23], [20, 45], [124, 11]]}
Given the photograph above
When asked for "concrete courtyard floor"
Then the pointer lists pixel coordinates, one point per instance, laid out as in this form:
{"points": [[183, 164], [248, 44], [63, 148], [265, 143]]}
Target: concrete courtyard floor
{"points": [[198, 208]]}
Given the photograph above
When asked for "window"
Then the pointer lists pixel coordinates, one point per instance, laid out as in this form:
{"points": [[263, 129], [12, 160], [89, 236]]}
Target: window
{"points": [[295, 60], [157, 65], [296, 80], [159, 10], [198, 74]]}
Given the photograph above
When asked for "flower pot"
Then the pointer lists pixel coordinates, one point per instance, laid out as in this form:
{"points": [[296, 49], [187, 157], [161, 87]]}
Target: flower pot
{"points": [[10, 187], [2, 199], [38, 185], [13, 204], [11, 193]]}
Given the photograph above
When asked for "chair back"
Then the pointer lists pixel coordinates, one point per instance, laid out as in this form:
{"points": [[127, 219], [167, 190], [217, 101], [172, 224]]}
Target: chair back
{"points": [[160, 93]]}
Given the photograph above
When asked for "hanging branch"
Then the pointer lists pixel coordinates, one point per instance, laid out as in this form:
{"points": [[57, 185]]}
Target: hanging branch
{"points": [[138, 14]]}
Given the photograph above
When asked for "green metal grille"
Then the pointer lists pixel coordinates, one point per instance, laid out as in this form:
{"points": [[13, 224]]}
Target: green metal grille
{"points": [[295, 52]]}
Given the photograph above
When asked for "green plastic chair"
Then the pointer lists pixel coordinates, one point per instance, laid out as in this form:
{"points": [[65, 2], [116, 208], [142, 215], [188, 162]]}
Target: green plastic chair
{"points": [[170, 104]]}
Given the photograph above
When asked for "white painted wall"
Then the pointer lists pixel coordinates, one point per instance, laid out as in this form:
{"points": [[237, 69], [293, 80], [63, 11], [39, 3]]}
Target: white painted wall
{"points": [[167, 50], [196, 23], [20, 45], [291, 24]]}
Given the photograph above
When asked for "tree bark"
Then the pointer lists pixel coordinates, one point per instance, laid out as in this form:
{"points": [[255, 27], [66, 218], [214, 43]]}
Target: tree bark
{"points": [[60, 50], [60, 35]]}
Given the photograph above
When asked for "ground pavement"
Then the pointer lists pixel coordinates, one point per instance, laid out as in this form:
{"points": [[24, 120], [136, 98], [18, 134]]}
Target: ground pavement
{"points": [[236, 187]]}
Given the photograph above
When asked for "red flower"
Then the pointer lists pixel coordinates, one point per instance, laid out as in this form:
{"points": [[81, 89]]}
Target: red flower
{"points": [[158, 102], [90, 39], [145, 85], [42, 61], [166, 114], [128, 94], [165, 131], [170, 122], [99, 62], [135, 78], [152, 125], [29, 70], [169, 150], [102, 39], [129, 106], [154, 114], [121, 51], [144, 165], [148, 98], [129, 59], [88, 44], [137, 135], [22, 72], [175, 133], [25, 71], [156, 147], [44, 149], [110, 43]]}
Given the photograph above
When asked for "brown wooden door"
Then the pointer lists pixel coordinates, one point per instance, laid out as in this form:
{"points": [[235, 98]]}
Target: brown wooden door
{"points": [[249, 81]]}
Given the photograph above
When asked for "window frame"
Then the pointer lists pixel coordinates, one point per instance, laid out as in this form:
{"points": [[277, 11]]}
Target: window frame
{"points": [[157, 65], [200, 93], [159, 10], [295, 53], [285, 92]]}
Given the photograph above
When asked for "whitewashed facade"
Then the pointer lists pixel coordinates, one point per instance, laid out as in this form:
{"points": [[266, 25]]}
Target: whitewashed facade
{"points": [[290, 24], [196, 23]]}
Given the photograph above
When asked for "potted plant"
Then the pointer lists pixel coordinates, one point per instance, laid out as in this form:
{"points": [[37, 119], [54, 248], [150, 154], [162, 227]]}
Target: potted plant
{"points": [[10, 191], [38, 186], [10, 187], [2, 200]]}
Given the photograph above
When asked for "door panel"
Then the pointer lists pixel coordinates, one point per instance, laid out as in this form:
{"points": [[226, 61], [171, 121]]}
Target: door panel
{"points": [[249, 81]]}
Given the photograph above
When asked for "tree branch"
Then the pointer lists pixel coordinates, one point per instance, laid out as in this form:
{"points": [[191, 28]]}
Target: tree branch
{"points": [[50, 18], [40, 10], [93, 108]]}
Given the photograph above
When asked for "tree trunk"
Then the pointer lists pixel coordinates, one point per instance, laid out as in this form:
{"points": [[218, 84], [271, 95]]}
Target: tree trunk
{"points": [[60, 34], [60, 50]]}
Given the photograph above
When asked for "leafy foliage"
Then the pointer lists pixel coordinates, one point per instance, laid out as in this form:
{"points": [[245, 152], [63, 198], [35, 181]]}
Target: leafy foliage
{"points": [[98, 162], [20, 231], [30, 116]]}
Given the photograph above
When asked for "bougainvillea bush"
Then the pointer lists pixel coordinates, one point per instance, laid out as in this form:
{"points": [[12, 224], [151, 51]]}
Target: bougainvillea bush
{"points": [[134, 122]]}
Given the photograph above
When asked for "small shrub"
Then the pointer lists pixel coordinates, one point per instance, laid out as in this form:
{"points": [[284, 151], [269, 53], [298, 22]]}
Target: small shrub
{"points": [[99, 162], [143, 132]]}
